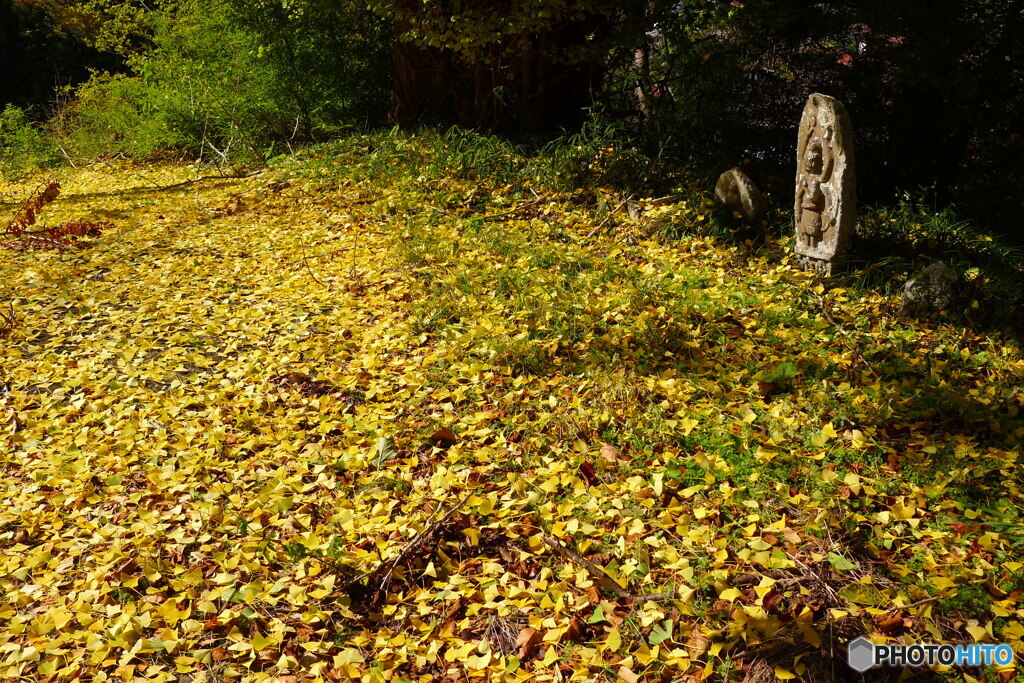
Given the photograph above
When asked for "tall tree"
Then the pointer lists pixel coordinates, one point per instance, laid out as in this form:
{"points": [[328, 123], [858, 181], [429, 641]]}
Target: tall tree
{"points": [[523, 65], [48, 44]]}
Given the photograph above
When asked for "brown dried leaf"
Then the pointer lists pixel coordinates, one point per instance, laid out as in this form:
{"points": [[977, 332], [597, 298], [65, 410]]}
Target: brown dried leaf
{"points": [[526, 643], [626, 674], [443, 438], [697, 644]]}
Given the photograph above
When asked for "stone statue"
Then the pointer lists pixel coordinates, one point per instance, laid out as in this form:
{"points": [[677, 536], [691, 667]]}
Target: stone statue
{"points": [[826, 195]]}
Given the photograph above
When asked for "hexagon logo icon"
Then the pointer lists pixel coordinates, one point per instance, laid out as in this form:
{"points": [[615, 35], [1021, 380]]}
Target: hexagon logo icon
{"points": [[861, 654]]}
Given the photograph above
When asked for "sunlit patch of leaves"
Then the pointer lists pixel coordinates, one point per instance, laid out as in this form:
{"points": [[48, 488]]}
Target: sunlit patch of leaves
{"points": [[320, 423]]}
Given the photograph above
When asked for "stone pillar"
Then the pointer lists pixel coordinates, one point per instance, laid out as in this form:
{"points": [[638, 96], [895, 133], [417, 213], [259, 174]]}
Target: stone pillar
{"points": [[826, 194]]}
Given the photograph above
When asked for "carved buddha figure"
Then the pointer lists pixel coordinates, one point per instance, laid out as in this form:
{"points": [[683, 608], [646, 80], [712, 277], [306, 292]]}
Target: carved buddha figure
{"points": [[816, 171], [825, 207]]}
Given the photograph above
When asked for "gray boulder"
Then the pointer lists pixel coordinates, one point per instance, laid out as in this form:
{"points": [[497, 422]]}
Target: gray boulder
{"points": [[935, 288], [738, 192]]}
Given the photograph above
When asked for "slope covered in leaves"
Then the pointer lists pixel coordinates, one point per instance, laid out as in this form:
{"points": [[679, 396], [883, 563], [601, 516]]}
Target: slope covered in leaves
{"points": [[362, 418]]}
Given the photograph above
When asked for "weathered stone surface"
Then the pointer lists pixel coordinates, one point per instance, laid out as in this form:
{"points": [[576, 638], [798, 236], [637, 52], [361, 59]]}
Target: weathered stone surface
{"points": [[934, 289], [738, 192], [826, 193], [634, 210]]}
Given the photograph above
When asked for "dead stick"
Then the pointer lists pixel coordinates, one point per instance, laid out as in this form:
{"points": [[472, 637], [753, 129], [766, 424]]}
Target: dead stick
{"points": [[429, 529], [67, 156], [601, 576], [9, 321], [306, 263], [914, 604], [609, 216], [510, 211], [327, 253]]}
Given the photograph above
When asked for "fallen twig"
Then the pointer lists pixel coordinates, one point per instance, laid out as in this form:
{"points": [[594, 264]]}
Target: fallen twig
{"points": [[380, 577], [67, 156], [302, 242], [609, 216], [511, 211], [601, 576], [828, 315], [326, 253], [9, 321], [662, 200], [917, 603]]}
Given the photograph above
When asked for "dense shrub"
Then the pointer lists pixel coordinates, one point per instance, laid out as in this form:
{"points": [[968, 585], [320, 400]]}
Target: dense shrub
{"points": [[234, 82], [24, 145]]}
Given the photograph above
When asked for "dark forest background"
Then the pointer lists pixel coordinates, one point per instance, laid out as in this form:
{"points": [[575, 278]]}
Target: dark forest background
{"points": [[678, 88]]}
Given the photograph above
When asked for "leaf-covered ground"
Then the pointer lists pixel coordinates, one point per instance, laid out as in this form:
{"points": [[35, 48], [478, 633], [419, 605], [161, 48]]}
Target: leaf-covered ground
{"points": [[350, 420]]}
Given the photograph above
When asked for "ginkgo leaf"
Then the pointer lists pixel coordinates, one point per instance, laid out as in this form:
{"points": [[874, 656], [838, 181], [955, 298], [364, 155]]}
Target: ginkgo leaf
{"points": [[841, 563], [979, 633], [598, 615], [730, 594], [626, 674], [673, 470], [383, 451], [783, 674], [661, 632]]}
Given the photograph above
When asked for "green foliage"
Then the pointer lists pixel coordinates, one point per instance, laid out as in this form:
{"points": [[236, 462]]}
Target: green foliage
{"points": [[697, 214], [122, 113], [24, 145], [122, 27], [234, 82], [595, 157], [915, 225], [479, 30], [592, 161], [782, 376], [329, 62], [895, 242], [1007, 520], [475, 156], [970, 599], [598, 155]]}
